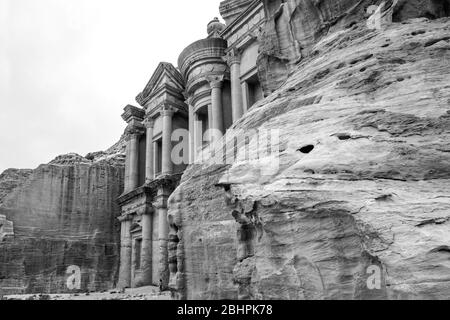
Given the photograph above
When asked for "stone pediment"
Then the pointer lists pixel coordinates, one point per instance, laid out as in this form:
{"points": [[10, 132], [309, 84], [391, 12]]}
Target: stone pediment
{"points": [[166, 80]]}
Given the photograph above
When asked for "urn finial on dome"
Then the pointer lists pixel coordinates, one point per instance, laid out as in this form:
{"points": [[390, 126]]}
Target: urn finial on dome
{"points": [[215, 27]]}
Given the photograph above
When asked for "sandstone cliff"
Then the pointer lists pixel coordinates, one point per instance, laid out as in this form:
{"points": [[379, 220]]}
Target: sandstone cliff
{"points": [[362, 184], [59, 215], [294, 26], [11, 179]]}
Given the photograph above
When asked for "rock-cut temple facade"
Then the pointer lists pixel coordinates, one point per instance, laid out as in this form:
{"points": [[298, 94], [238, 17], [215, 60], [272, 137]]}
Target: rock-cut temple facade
{"points": [[215, 84]]}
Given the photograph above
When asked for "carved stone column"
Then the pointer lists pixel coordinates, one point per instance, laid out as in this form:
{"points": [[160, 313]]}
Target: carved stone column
{"points": [[234, 61], [167, 115], [163, 235], [127, 165], [149, 157], [133, 116], [146, 249], [198, 139], [134, 161], [210, 123], [156, 164], [216, 104], [191, 133], [125, 252]]}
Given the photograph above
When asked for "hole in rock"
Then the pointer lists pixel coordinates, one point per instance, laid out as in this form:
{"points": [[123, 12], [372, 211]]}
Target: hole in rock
{"points": [[400, 79], [415, 33], [306, 149], [441, 249], [384, 197], [340, 65], [368, 56], [353, 23], [363, 69], [343, 136], [385, 45]]}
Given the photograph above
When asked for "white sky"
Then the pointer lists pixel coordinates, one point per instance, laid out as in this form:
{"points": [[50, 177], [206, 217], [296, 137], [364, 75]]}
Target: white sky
{"points": [[68, 67]]}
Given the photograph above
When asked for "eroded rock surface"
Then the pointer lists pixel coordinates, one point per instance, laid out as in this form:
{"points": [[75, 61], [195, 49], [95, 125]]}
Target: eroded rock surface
{"points": [[294, 26], [10, 179], [63, 214], [363, 181]]}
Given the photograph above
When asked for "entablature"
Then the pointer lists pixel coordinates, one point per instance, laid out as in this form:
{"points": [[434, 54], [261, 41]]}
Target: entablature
{"points": [[133, 113], [246, 28]]}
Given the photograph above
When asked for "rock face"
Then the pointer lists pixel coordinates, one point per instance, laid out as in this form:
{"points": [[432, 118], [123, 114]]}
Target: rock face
{"points": [[294, 26], [63, 214], [231, 9], [358, 207], [10, 179]]}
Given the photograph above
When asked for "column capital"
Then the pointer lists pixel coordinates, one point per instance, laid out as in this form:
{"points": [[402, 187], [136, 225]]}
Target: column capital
{"points": [[145, 211], [233, 57], [216, 82], [133, 136], [149, 123], [133, 129], [167, 110], [160, 202], [189, 100]]}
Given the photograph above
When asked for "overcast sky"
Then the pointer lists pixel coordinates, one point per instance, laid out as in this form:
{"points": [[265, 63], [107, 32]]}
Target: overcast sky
{"points": [[68, 67]]}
